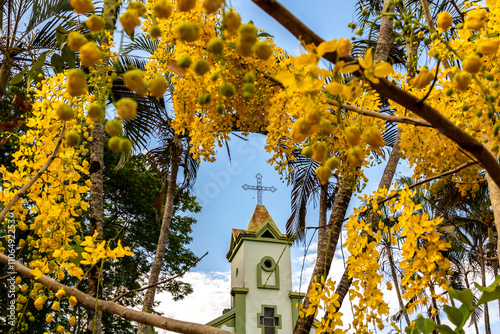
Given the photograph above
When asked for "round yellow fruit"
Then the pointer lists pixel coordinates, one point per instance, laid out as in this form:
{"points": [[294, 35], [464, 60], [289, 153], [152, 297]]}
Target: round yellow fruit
{"points": [[232, 21], [155, 31], [215, 46], [162, 9], [90, 54], [323, 174], [65, 112], [72, 139], [130, 20], [157, 87], [227, 89], [319, 151], [114, 144], [95, 23], [95, 112], [332, 163], [82, 6], [185, 5], [126, 108], [139, 7], [201, 66], [76, 41], [188, 32], [114, 127], [125, 145], [134, 80], [211, 6], [472, 63], [263, 50]]}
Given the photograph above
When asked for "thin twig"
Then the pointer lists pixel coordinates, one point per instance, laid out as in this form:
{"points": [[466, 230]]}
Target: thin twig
{"points": [[459, 168], [112, 241], [35, 178], [4, 277], [389, 118], [433, 83], [153, 285]]}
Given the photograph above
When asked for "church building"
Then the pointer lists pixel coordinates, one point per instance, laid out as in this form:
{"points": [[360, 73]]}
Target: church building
{"points": [[262, 300]]}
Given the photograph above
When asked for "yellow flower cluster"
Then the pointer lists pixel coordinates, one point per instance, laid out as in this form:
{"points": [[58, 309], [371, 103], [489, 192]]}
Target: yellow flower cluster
{"points": [[322, 296], [422, 261]]}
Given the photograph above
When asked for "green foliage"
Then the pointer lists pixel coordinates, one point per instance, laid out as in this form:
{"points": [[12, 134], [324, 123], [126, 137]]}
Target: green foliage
{"points": [[458, 316]]}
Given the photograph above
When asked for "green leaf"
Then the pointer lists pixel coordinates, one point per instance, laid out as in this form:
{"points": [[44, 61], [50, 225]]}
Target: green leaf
{"points": [[78, 250], [489, 288], [265, 34], [68, 56], [466, 312], [412, 330], [488, 296], [444, 329], [454, 315], [465, 296], [57, 63], [60, 37], [17, 78], [425, 325]]}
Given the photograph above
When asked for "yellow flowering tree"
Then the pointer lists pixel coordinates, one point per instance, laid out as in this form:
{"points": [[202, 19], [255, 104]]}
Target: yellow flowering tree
{"points": [[229, 76]]}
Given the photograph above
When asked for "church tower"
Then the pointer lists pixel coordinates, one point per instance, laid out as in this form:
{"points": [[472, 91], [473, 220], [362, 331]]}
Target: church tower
{"points": [[262, 300]]}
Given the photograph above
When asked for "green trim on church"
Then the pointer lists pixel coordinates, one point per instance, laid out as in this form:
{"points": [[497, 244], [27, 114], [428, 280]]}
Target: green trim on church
{"points": [[268, 264]]}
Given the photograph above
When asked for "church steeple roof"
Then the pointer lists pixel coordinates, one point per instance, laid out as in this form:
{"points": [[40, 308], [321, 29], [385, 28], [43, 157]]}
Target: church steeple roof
{"points": [[261, 225], [260, 217]]}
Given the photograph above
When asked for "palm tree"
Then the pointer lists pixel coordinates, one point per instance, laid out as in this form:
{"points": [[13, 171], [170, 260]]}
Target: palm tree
{"points": [[29, 34]]}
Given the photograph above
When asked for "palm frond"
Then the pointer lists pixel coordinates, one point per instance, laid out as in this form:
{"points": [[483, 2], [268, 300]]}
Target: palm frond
{"points": [[43, 10], [141, 43]]}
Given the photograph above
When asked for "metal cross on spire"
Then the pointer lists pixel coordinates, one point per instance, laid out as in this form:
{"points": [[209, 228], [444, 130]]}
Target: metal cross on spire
{"points": [[259, 188]]}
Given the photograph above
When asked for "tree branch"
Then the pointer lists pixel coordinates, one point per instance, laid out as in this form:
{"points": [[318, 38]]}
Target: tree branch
{"points": [[369, 113], [159, 283], [177, 326], [36, 177]]}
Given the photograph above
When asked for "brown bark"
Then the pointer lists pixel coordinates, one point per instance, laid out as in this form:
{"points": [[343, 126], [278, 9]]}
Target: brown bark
{"points": [[94, 321], [397, 286], [5, 68], [486, 312], [113, 308], [165, 228], [495, 204], [326, 247]]}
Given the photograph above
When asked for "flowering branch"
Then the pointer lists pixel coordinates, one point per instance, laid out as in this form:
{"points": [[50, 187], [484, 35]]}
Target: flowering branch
{"points": [[36, 177], [159, 283], [154, 320]]}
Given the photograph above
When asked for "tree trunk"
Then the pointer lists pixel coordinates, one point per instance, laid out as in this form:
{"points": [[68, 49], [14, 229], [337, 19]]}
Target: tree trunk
{"points": [[5, 73], [467, 284], [94, 321], [495, 204], [487, 326], [396, 284], [326, 248], [165, 227]]}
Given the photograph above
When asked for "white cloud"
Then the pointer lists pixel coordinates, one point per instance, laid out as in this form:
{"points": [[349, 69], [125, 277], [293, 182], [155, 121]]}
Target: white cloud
{"points": [[210, 297]]}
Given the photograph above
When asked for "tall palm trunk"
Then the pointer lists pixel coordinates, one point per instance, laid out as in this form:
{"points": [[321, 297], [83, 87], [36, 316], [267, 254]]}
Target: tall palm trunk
{"points": [[395, 281], [467, 284], [94, 320], [326, 248], [165, 227], [487, 326]]}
